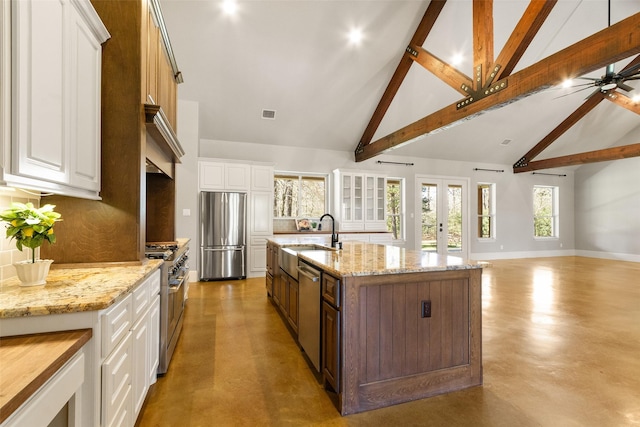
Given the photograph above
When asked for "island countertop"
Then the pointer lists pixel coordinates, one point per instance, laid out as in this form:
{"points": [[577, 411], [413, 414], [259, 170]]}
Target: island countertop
{"points": [[70, 290], [369, 259]]}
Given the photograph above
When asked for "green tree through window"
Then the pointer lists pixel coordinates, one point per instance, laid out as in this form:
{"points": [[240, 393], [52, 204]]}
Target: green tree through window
{"points": [[297, 196]]}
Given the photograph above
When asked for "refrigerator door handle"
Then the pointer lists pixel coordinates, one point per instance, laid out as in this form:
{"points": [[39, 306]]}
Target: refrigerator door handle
{"points": [[237, 248]]}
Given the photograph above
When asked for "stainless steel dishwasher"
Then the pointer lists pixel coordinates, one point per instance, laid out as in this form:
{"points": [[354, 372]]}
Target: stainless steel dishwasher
{"points": [[309, 283]]}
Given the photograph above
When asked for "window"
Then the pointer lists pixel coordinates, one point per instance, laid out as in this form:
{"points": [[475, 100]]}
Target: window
{"points": [[545, 211], [395, 208], [297, 195], [486, 211]]}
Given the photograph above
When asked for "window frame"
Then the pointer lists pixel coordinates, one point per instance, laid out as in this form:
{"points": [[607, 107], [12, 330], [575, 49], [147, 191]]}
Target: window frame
{"points": [[300, 176], [401, 214], [492, 212], [555, 212]]}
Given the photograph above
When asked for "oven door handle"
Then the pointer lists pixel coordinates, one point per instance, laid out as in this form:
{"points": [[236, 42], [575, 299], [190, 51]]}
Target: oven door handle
{"points": [[175, 288]]}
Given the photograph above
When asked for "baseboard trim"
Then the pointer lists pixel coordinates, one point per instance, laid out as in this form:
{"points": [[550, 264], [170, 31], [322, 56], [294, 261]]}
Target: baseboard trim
{"points": [[487, 256]]}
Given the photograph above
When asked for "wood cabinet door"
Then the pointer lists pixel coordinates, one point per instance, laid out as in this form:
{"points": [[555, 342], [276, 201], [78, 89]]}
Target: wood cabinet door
{"points": [[331, 346]]}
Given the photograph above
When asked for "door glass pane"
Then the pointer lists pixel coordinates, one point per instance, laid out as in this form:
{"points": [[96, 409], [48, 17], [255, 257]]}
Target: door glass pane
{"points": [[346, 198], [454, 218], [357, 198], [380, 188], [429, 218], [370, 195]]}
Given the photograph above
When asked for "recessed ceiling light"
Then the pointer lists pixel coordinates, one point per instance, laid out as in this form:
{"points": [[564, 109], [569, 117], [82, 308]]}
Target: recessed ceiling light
{"points": [[636, 98], [229, 7], [457, 59], [567, 83], [355, 36]]}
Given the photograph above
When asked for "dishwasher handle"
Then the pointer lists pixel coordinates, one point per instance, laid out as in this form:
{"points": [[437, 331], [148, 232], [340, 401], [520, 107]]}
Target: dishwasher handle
{"points": [[313, 275]]}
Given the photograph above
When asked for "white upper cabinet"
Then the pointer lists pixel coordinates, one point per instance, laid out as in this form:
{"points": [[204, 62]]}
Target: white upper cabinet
{"points": [[360, 200], [55, 75], [224, 176]]}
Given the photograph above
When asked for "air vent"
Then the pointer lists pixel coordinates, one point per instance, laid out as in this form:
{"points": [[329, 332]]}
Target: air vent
{"points": [[269, 114], [506, 142]]}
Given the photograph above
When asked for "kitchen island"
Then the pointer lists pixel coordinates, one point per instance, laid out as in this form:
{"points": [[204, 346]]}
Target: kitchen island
{"points": [[396, 325]]}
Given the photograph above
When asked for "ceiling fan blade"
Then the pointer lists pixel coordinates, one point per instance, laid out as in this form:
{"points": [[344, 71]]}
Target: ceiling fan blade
{"points": [[588, 78], [625, 87], [632, 68], [575, 91]]}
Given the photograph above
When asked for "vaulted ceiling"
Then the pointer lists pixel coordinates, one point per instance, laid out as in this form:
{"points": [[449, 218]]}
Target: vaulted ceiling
{"points": [[293, 57]]}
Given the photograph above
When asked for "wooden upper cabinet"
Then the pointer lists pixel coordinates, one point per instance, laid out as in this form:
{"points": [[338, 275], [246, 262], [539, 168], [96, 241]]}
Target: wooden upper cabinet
{"points": [[153, 47], [161, 88], [167, 90]]}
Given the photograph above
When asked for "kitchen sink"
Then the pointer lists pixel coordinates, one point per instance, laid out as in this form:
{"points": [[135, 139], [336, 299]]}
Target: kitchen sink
{"points": [[289, 256], [313, 247]]}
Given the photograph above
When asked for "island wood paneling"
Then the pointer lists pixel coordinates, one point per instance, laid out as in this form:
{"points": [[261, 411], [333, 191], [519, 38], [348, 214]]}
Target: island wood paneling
{"points": [[392, 349], [392, 354]]}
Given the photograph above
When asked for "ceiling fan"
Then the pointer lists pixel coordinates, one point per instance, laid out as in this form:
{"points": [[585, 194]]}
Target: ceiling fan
{"points": [[612, 80]]}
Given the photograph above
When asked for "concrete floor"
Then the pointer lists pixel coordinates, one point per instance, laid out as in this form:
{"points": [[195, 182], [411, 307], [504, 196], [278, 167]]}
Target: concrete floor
{"points": [[561, 347]]}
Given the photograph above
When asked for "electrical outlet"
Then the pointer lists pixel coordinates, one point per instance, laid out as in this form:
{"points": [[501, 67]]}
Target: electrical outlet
{"points": [[426, 309]]}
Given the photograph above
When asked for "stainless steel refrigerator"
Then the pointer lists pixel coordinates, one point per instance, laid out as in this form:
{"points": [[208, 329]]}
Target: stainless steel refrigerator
{"points": [[222, 235]]}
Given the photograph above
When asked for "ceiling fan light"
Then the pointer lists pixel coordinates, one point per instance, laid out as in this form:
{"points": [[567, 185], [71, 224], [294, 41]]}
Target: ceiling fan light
{"points": [[608, 86]]}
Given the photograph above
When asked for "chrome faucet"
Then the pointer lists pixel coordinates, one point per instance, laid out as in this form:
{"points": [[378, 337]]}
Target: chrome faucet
{"points": [[334, 236]]}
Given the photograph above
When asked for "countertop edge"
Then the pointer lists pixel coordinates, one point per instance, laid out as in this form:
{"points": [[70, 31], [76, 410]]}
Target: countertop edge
{"points": [[38, 345]]}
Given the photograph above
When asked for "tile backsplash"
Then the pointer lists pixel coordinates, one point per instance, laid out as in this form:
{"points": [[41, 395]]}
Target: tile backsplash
{"points": [[8, 252]]}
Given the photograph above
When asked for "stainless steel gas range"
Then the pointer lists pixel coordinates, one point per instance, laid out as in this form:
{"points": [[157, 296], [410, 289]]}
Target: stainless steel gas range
{"points": [[174, 273]]}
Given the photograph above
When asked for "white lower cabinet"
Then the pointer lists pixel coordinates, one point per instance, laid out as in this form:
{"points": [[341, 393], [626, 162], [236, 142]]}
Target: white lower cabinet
{"points": [[132, 337], [140, 375], [117, 404]]}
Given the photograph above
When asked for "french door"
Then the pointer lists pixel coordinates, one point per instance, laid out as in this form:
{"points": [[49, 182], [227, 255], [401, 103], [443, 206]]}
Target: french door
{"points": [[442, 210]]}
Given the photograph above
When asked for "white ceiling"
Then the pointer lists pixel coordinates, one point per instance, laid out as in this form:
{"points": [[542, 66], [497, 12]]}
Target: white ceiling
{"points": [[293, 57]]}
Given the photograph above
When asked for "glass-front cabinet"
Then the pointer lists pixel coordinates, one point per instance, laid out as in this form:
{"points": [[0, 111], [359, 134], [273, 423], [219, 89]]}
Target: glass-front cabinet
{"points": [[360, 201]]}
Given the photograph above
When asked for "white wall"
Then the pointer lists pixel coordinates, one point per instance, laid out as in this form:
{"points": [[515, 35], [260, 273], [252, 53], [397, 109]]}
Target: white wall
{"points": [[187, 179], [514, 192], [608, 209]]}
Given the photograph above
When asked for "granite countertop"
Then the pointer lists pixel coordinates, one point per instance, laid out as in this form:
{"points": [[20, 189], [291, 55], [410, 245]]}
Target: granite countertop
{"points": [[70, 290], [368, 259]]}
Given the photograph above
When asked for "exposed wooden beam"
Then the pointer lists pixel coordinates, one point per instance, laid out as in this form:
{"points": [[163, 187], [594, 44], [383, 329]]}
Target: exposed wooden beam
{"points": [[482, 40], [582, 111], [522, 35], [632, 64], [424, 28], [613, 153], [612, 44], [623, 101], [441, 69]]}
